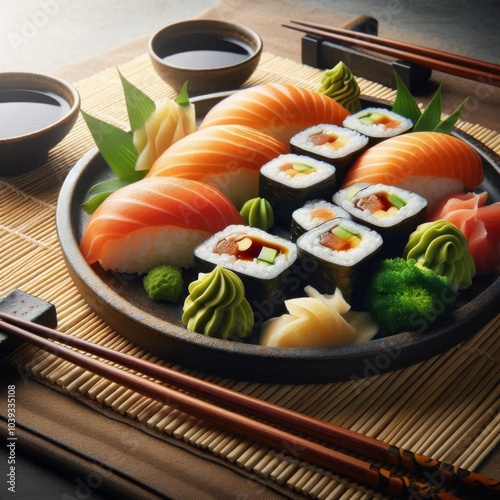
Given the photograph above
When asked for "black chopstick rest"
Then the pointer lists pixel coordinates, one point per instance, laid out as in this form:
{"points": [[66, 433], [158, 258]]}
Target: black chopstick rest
{"points": [[453, 64], [323, 54], [28, 307]]}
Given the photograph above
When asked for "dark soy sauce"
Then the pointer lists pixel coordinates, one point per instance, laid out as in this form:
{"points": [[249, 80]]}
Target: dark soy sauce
{"points": [[205, 52], [26, 111]]}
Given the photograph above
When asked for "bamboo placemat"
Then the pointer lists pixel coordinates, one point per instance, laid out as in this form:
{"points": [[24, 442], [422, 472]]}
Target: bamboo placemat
{"points": [[446, 407]]}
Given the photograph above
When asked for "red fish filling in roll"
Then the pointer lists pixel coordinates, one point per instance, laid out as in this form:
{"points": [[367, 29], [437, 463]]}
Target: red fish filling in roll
{"points": [[250, 248], [340, 239], [296, 168], [331, 140], [381, 205]]}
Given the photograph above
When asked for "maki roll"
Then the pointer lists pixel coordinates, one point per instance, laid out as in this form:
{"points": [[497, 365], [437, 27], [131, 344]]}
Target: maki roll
{"points": [[262, 261], [336, 145], [312, 214], [337, 254], [393, 212], [378, 123], [291, 180]]}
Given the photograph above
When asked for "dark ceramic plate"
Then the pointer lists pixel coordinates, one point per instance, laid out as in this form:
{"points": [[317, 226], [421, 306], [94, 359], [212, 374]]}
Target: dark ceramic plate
{"points": [[122, 303]]}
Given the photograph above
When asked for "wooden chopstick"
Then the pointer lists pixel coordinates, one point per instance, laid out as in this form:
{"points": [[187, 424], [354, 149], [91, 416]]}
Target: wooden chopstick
{"points": [[487, 73], [343, 464], [318, 429], [416, 49]]}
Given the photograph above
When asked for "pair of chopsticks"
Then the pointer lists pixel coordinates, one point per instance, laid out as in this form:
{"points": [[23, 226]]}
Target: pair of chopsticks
{"points": [[453, 64], [219, 412]]}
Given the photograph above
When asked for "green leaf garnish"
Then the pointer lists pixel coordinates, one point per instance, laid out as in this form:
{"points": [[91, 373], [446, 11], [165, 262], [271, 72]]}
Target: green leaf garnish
{"points": [[99, 192], [446, 126], [182, 98], [431, 116], [139, 105], [116, 147], [405, 104]]}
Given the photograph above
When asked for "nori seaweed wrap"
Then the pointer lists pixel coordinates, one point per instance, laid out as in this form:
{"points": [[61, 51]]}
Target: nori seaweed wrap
{"points": [[289, 181], [338, 254], [393, 212]]}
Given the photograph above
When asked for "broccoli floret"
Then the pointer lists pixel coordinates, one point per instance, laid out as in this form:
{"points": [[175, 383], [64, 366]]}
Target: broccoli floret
{"points": [[403, 295], [164, 282]]}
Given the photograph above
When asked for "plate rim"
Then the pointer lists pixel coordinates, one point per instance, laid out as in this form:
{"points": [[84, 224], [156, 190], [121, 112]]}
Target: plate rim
{"points": [[109, 305]]}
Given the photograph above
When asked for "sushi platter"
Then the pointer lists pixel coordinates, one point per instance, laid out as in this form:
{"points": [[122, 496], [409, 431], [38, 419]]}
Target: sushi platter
{"points": [[119, 299]]}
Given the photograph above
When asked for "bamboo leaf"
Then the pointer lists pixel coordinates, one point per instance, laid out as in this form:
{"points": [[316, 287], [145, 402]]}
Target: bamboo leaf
{"points": [[446, 126], [139, 105], [116, 147], [182, 98], [431, 116], [405, 104], [99, 192]]}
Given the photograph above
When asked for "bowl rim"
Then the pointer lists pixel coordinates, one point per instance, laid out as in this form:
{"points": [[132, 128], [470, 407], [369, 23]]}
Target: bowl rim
{"points": [[24, 78], [239, 27]]}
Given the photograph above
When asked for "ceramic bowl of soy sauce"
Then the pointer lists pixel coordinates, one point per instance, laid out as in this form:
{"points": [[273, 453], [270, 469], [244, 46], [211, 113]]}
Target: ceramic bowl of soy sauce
{"points": [[211, 55], [36, 112]]}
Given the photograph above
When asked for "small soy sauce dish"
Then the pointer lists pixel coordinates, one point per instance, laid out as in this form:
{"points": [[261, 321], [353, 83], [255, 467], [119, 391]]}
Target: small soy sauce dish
{"points": [[36, 112], [211, 55]]}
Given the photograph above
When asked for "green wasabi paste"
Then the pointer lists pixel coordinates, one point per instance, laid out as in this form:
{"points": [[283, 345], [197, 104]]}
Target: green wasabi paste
{"points": [[441, 247], [258, 213], [216, 305], [340, 84]]}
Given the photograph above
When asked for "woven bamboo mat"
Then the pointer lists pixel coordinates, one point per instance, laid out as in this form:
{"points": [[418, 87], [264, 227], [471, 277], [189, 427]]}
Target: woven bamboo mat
{"points": [[446, 407]]}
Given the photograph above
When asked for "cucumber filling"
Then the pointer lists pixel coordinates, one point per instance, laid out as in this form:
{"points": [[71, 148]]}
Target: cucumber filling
{"points": [[267, 255]]}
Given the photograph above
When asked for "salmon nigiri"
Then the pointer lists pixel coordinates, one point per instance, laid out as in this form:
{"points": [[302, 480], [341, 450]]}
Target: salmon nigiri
{"points": [[155, 221], [226, 156], [431, 164], [279, 110]]}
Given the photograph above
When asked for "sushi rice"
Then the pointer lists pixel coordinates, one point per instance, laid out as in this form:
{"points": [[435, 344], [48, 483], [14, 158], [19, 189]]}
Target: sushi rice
{"points": [[271, 170], [378, 130], [371, 241], [348, 197], [306, 218], [141, 250], [284, 260], [344, 142]]}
